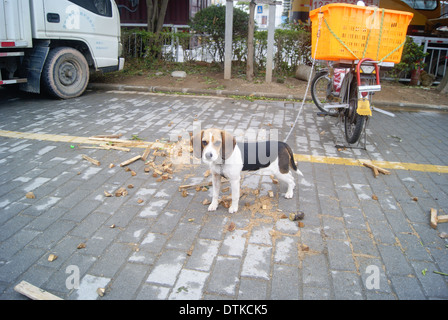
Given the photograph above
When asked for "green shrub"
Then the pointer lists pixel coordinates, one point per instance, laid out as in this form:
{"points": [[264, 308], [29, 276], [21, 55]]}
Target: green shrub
{"points": [[211, 23]]}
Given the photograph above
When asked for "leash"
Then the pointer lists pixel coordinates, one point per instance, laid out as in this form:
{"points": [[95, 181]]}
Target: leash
{"points": [[309, 78]]}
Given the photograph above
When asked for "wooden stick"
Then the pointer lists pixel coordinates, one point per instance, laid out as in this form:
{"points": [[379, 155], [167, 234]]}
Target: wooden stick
{"points": [[112, 136], [442, 219], [146, 153], [116, 148], [131, 142], [34, 292], [373, 167], [125, 163], [189, 186], [434, 220], [91, 160]]}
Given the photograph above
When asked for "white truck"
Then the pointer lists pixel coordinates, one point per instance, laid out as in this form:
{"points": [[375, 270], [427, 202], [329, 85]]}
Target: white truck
{"points": [[55, 44]]}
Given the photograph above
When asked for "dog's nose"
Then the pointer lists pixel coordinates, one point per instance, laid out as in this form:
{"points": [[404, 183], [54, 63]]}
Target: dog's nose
{"points": [[209, 155]]}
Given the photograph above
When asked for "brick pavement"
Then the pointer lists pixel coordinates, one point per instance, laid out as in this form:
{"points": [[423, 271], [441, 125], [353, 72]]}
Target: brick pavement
{"points": [[171, 247]]}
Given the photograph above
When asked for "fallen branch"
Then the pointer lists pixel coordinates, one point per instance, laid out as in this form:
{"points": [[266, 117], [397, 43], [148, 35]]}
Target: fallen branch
{"points": [[376, 170]]}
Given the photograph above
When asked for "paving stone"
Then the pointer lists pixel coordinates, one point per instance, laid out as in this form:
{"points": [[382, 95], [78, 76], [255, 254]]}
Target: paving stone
{"points": [[172, 247], [225, 276]]}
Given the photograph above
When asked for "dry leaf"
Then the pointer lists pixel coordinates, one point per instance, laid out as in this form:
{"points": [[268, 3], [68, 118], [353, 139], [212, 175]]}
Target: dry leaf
{"points": [[374, 197], [82, 245], [206, 202]]}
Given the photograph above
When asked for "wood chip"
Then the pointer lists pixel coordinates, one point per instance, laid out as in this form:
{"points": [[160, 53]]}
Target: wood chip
{"points": [[206, 202], [140, 201], [374, 197], [231, 227], [304, 247], [82, 245], [107, 194], [271, 194], [52, 257], [100, 291], [91, 160], [121, 192], [301, 224], [30, 195], [184, 193]]}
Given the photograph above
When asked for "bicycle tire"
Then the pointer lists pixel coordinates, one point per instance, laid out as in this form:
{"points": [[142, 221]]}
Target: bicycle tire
{"points": [[353, 122], [321, 86]]}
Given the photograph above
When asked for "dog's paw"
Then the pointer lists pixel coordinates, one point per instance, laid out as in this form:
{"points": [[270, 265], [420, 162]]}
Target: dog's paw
{"points": [[233, 209], [213, 206], [289, 195]]}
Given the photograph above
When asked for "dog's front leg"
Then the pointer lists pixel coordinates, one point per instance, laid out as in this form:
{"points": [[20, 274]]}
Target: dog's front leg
{"points": [[235, 185], [216, 181]]}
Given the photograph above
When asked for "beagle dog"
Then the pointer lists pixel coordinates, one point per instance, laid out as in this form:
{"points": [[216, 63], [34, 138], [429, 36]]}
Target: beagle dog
{"points": [[228, 158]]}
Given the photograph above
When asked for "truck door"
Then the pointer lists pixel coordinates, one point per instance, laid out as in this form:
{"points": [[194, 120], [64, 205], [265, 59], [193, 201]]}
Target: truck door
{"points": [[94, 22]]}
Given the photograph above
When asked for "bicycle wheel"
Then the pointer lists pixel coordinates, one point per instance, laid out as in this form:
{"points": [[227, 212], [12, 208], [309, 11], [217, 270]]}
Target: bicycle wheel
{"points": [[321, 89], [354, 123]]}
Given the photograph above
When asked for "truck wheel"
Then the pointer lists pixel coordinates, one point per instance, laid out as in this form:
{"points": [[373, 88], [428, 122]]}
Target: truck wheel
{"points": [[66, 73]]}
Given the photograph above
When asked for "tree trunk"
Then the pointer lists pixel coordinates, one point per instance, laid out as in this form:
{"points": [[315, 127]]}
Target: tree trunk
{"points": [[250, 43], [443, 85], [161, 17], [150, 15], [156, 11]]}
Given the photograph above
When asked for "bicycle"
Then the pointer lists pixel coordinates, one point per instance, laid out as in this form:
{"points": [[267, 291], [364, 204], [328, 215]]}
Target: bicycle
{"points": [[351, 102]]}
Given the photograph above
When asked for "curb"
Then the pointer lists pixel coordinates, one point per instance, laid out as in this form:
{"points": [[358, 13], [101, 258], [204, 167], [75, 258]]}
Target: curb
{"points": [[398, 106]]}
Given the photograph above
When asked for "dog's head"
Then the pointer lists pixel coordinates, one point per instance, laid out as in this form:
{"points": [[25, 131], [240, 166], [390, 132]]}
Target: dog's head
{"points": [[213, 145]]}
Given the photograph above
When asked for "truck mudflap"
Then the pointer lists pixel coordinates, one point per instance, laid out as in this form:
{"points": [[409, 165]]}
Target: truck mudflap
{"points": [[33, 64]]}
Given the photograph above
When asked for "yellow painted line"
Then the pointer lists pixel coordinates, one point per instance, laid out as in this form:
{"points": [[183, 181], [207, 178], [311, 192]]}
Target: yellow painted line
{"points": [[382, 164], [297, 157]]}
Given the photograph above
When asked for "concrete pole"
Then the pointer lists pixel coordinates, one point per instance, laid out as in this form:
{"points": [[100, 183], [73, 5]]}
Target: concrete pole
{"points": [[228, 40]]}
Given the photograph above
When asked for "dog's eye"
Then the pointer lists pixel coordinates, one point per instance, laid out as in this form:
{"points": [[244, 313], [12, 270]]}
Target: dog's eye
{"points": [[204, 143], [217, 143]]}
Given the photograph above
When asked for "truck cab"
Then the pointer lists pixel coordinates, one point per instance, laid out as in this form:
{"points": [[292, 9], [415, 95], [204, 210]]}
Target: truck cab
{"points": [[55, 44]]}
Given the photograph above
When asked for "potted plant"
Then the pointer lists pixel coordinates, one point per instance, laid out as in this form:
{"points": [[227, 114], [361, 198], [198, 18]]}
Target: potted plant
{"points": [[411, 60]]}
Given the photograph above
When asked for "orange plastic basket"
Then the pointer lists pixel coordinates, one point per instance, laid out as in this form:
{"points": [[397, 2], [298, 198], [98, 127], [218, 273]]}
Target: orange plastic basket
{"points": [[350, 32]]}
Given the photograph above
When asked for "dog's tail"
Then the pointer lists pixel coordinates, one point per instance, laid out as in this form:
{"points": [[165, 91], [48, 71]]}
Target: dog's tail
{"points": [[292, 163]]}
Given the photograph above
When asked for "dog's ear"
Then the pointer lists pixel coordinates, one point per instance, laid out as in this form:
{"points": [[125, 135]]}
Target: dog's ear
{"points": [[228, 144], [196, 142]]}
